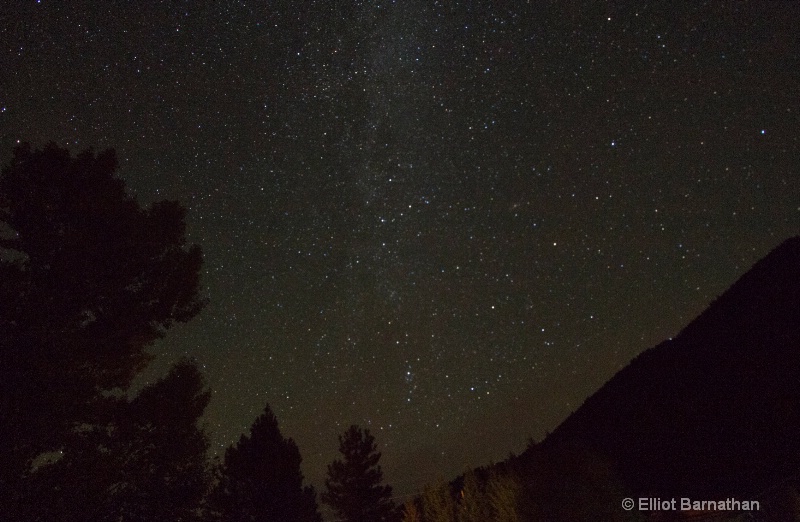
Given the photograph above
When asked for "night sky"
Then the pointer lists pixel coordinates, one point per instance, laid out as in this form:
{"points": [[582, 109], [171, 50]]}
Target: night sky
{"points": [[448, 222]]}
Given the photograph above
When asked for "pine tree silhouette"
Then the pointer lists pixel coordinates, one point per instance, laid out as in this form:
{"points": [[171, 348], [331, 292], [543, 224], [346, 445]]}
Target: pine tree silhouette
{"points": [[260, 478], [147, 462], [354, 489], [411, 513], [438, 504], [473, 505], [88, 281]]}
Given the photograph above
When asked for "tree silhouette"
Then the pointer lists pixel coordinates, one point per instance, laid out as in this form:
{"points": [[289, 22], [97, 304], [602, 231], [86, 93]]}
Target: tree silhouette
{"points": [[354, 489], [164, 475], [438, 504], [261, 479], [88, 280], [503, 493], [411, 512], [148, 462], [473, 505]]}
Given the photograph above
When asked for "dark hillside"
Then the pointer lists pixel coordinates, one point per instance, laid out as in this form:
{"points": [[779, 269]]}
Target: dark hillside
{"points": [[714, 412]]}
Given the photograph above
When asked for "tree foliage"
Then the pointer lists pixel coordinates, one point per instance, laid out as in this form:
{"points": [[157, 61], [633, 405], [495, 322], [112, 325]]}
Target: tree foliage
{"points": [[473, 505], [353, 486], [164, 475], [438, 504], [502, 492], [88, 280], [483, 496], [411, 512], [260, 478], [146, 462]]}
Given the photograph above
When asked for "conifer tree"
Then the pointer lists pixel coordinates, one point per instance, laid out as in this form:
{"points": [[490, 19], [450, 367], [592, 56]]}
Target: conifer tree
{"points": [[260, 478], [353, 486], [473, 505], [162, 453], [438, 504], [411, 513], [503, 492], [147, 462], [88, 281]]}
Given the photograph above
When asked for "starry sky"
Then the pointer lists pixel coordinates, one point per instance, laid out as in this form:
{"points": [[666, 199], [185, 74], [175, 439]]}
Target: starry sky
{"points": [[448, 222]]}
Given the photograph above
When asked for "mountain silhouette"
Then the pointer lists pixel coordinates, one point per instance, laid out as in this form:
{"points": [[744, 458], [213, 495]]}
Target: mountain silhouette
{"points": [[715, 411]]}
